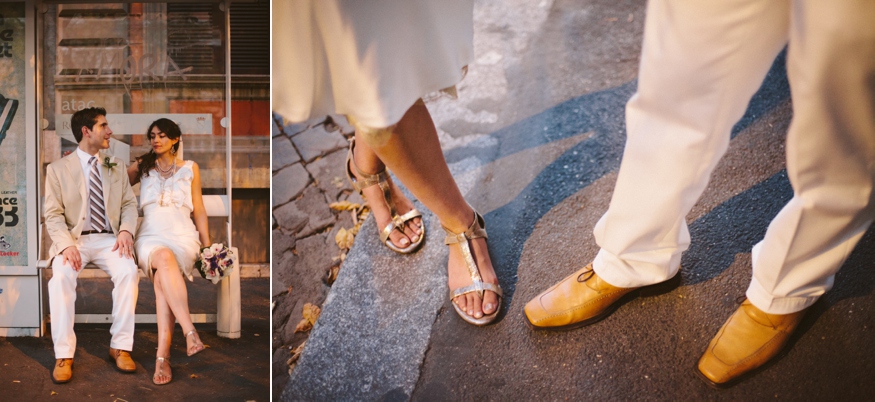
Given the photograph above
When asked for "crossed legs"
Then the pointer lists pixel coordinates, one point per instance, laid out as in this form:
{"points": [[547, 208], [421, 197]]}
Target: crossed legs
{"points": [[171, 305]]}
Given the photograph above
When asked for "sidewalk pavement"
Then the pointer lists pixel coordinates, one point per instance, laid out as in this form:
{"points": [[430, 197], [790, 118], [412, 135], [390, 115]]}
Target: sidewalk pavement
{"points": [[228, 370], [534, 142]]}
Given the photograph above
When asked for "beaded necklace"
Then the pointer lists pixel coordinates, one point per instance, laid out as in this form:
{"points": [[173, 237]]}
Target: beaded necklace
{"points": [[163, 176]]}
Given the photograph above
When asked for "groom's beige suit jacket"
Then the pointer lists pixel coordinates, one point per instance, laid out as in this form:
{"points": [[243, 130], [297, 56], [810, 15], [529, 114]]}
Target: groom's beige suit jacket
{"points": [[67, 198]]}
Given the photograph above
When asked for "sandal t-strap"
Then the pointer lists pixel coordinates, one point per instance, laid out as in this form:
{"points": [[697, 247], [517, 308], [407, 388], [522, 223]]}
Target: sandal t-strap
{"points": [[475, 231], [382, 179], [198, 345], [161, 360]]}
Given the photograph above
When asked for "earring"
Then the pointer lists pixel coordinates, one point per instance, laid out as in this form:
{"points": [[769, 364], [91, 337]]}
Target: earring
{"points": [[173, 151]]}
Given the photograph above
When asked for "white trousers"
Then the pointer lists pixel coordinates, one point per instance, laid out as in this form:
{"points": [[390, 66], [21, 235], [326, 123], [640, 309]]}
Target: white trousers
{"points": [[701, 63], [95, 248]]}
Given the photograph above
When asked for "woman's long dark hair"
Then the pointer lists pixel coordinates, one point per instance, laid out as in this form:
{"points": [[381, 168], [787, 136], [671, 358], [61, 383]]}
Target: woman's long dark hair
{"points": [[146, 162]]}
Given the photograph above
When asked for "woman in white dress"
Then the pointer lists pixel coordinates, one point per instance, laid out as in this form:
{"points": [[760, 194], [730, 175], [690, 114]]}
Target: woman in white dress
{"points": [[170, 236], [373, 61]]}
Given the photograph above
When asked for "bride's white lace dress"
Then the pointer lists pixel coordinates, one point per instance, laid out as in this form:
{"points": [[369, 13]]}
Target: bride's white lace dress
{"points": [[167, 219]]}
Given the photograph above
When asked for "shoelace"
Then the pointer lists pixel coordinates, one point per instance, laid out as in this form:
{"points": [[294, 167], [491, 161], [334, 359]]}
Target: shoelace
{"points": [[589, 273]]}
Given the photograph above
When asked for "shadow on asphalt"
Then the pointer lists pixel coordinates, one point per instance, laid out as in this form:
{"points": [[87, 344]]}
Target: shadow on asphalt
{"points": [[603, 113]]}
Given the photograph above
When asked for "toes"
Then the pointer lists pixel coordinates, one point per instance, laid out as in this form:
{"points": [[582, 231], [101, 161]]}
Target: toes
{"points": [[490, 303], [478, 306], [417, 224], [411, 232], [473, 307], [462, 302], [399, 239]]}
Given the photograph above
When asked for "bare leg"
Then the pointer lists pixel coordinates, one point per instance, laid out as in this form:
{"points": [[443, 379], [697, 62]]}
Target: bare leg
{"points": [[166, 322], [172, 284], [413, 153], [368, 162]]}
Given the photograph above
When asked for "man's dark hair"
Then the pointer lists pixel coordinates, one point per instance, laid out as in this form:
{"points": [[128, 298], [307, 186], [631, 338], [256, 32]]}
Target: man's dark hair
{"points": [[85, 118]]}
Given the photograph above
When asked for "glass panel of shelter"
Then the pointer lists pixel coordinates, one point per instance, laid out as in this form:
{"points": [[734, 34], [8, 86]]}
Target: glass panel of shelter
{"points": [[141, 62]]}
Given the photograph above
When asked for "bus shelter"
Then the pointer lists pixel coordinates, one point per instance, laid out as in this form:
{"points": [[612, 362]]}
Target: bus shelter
{"points": [[140, 61]]}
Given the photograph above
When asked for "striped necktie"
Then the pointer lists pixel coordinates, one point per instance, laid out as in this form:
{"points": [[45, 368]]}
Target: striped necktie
{"points": [[95, 196]]}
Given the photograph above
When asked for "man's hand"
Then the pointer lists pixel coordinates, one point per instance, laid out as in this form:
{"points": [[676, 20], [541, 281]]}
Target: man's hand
{"points": [[124, 244], [71, 255]]}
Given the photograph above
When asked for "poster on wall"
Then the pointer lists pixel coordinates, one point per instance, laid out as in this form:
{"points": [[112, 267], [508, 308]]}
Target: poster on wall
{"points": [[13, 145]]}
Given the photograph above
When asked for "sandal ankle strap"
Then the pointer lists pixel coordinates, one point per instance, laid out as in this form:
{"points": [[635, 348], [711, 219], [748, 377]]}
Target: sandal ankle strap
{"points": [[475, 231], [367, 180]]}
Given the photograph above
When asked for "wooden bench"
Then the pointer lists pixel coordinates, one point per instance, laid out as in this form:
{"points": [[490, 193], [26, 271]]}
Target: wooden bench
{"points": [[227, 316]]}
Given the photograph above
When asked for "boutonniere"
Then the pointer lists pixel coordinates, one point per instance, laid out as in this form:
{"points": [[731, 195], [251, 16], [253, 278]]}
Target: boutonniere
{"points": [[107, 164]]}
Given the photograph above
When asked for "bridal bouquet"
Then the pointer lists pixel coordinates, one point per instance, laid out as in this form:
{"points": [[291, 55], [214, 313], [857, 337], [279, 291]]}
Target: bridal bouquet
{"points": [[215, 262]]}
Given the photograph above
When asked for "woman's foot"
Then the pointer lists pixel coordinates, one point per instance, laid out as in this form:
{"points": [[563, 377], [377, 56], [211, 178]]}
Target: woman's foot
{"points": [[459, 274], [162, 375], [368, 163], [459, 277], [193, 344]]}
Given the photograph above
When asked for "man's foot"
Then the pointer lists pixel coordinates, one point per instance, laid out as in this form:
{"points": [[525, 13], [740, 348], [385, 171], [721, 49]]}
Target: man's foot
{"points": [[459, 276], [123, 361], [360, 168], [582, 298], [63, 371], [748, 339], [162, 375]]}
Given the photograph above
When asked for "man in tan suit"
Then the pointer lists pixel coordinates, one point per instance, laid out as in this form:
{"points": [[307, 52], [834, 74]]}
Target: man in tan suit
{"points": [[91, 215]]}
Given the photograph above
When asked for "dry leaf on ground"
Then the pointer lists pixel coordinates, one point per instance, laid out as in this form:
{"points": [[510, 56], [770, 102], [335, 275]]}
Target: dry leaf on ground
{"points": [[303, 326], [343, 206], [332, 274], [296, 353], [311, 312], [344, 238]]}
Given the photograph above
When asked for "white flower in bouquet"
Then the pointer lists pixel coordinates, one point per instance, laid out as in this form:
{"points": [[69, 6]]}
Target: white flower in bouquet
{"points": [[215, 262]]}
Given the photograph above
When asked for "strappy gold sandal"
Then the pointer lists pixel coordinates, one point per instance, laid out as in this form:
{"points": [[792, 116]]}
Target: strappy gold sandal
{"points": [[381, 179], [160, 373], [475, 231], [198, 345]]}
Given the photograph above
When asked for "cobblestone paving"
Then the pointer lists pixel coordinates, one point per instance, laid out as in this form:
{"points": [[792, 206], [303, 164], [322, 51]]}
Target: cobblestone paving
{"points": [[308, 175]]}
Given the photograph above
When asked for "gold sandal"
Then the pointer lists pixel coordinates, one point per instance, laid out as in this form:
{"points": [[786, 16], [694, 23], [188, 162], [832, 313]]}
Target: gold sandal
{"points": [[382, 179], [198, 345], [475, 231], [162, 361]]}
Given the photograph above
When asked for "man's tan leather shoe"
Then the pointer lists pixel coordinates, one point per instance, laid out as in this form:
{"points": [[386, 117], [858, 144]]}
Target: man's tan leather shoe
{"points": [[123, 361], [580, 299], [63, 371], [748, 339]]}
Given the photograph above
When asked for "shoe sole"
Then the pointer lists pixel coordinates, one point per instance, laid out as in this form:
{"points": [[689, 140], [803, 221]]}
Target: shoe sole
{"points": [[61, 382], [647, 291]]}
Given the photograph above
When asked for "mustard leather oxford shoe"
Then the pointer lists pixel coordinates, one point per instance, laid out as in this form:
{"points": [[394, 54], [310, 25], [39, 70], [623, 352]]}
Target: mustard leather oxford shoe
{"points": [[123, 361], [63, 371], [748, 339], [581, 299]]}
